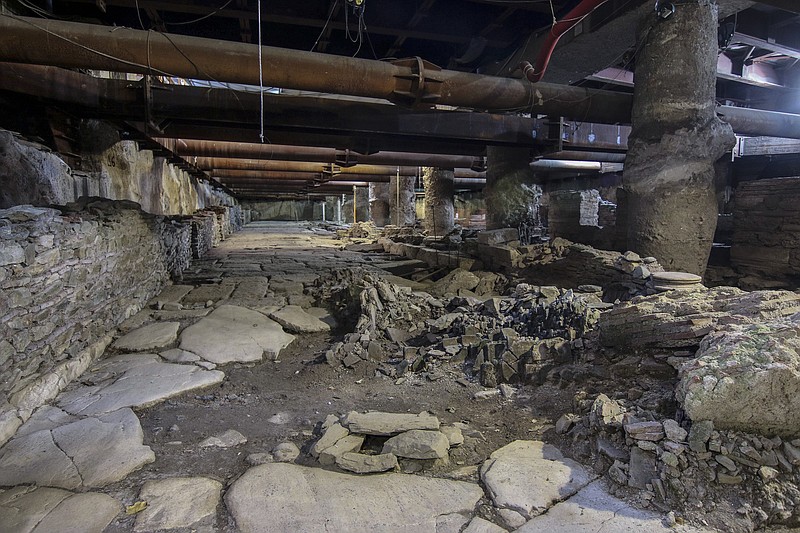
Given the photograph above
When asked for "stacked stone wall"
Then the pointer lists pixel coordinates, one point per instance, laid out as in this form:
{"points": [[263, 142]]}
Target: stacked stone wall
{"points": [[70, 276], [765, 250]]}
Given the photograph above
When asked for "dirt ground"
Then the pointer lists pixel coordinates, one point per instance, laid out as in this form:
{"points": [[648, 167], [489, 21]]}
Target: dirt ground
{"points": [[272, 402]]}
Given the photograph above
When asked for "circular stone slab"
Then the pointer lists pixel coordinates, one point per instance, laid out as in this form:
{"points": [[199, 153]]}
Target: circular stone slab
{"points": [[680, 278]]}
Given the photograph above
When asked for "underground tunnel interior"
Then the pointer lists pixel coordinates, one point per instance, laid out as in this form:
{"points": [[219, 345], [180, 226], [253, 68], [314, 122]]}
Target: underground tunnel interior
{"points": [[430, 266]]}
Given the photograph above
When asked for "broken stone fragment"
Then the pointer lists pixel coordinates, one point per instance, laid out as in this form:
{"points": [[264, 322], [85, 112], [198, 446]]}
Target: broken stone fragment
{"points": [[418, 444], [565, 423], [674, 431], [296, 320], [347, 444], [285, 452], [387, 424], [331, 436], [650, 431], [366, 464], [606, 411], [228, 439], [699, 434], [454, 435], [150, 337]]}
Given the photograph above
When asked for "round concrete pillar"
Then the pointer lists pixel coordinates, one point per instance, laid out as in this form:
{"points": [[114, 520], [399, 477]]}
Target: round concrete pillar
{"points": [[512, 197], [439, 190], [379, 203], [676, 139], [401, 201]]}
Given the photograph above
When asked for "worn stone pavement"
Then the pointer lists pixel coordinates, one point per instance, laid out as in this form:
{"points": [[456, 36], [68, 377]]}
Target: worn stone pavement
{"points": [[246, 302]]}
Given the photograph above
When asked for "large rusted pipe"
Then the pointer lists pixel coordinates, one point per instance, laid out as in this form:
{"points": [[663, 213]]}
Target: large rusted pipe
{"points": [[279, 152], [757, 122], [412, 81], [221, 164]]}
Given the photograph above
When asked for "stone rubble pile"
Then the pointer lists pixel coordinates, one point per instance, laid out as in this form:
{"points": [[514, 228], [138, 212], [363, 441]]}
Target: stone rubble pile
{"points": [[682, 318], [359, 230], [558, 262], [379, 442], [689, 465], [511, 339]]}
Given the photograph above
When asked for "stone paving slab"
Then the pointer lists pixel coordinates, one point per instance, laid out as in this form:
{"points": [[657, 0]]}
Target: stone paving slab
{"points": [[281, 497], [528, 477], [232, 333], [28, 509], [91, 452], [213, 292], [150, 337], [177, 503], [593, 509], [172, 293], [295, 319], [136, 380]]}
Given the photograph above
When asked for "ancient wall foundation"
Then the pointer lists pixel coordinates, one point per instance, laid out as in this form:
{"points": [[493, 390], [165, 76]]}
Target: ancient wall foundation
{"points": [[70, 275], [765, 249], [32, 174]]}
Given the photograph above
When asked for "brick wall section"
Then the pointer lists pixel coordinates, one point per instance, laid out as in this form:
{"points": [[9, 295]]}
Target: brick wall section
{"points": [[69, 276], [765, 250]]}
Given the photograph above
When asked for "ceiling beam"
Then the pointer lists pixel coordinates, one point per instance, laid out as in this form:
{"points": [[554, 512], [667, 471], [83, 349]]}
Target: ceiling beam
{"points": [[291, 20]]}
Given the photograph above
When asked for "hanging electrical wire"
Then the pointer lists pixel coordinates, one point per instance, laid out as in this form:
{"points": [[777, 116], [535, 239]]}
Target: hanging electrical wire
{"points": [[220, 8], [260, 75], [325, 27]]}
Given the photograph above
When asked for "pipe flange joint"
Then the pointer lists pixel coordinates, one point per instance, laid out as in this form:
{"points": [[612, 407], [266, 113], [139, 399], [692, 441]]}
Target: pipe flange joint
{"points": [[417, 85]]}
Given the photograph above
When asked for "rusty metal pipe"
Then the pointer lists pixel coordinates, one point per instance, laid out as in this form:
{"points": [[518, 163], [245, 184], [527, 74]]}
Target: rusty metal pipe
{"points": [[265, 152], [411, 81], [255, 165], [758, 123]]}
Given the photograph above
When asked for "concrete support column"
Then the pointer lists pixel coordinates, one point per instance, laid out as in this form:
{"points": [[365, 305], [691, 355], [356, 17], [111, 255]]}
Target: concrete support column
{"points": [[401, 201], [512, 197], [676, 139], [439, 209], [379, 203]]}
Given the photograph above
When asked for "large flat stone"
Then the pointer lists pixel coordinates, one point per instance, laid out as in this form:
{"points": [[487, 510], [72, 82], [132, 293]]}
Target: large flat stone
{"points": [[173, 293], [105, 449], [282, 497], [21, 508], [136, 380], [295, 319], [91, 452], [528, 477], [594, 509], [177, 502], [747, 378], [150, 337], [418, 444], [233, 333], [378, 423], [89, 512], [205, 293], [36, 458]]}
